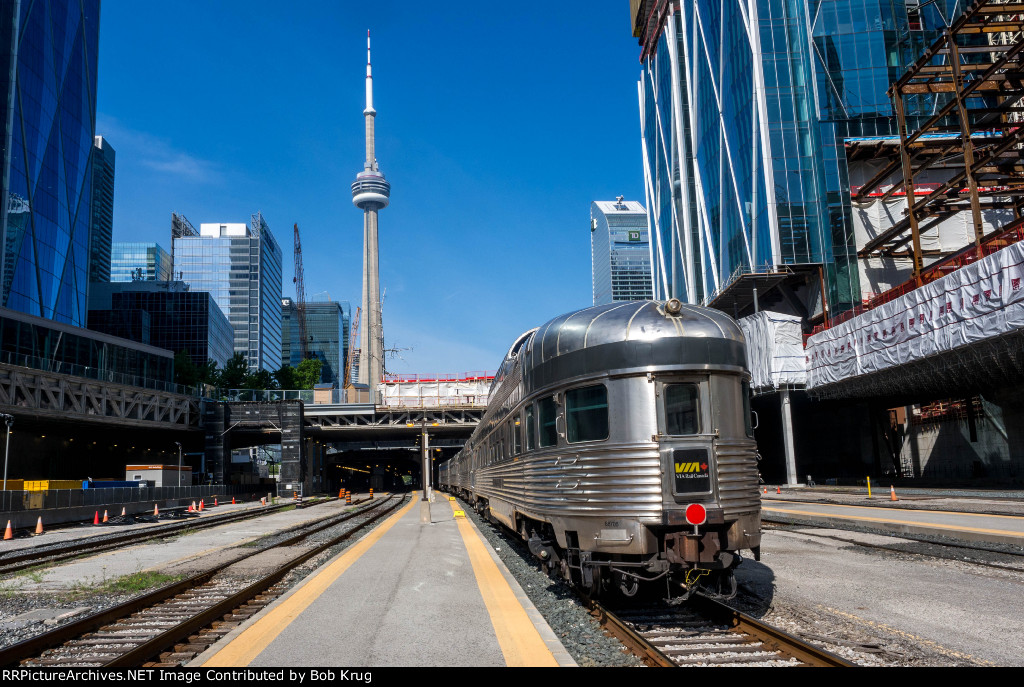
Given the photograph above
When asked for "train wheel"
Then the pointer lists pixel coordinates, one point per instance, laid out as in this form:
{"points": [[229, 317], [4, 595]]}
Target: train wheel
{"points": [[723, 585], [626, 585]]}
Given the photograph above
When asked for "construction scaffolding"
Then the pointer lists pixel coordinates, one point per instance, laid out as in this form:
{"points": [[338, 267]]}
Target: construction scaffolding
{"points": [[966, 156]]}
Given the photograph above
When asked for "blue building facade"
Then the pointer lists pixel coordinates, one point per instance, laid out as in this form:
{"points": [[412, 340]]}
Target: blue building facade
{"points": [[240, 266], [744, 108], [134, 261], [327, 328], [48, 68]]}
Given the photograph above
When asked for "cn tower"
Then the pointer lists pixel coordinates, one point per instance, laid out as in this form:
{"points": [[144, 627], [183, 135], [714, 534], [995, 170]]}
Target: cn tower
{"points": [[370, 193]]}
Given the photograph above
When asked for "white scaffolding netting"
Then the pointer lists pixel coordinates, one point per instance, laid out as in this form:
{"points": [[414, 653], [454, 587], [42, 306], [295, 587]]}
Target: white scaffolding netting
{"points": [[977, 302], [775, 351], [435, 393]]}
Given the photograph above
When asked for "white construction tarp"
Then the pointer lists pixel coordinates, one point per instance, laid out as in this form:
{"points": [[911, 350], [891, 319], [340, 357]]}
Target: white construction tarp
{"points": [[435, 393], [977, 302], [775, 351]]}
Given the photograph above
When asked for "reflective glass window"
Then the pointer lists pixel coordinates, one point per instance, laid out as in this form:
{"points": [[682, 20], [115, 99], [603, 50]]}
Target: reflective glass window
{"points": [[586, 414], [517, 437], [682, 414], [547, 412], [531, 429]]}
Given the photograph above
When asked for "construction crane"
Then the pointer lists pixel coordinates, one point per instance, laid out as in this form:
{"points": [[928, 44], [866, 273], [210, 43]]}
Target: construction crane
{"points": [[300, 296], [352, 350]]}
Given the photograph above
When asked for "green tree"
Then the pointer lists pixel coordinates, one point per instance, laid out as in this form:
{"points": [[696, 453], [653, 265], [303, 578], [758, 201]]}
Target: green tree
{"points": [[185, 371], [234, 373], [208, 372], [285, 377], [308, 373], [260, 379]]}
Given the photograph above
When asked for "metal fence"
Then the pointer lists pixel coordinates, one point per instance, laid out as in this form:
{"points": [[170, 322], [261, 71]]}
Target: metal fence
{"points": [[16, 501], [96, 373]]}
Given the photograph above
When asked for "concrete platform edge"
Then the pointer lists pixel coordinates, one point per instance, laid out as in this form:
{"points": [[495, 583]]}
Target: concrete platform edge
{"points": [[552, 642], [562, 656], [214, 648]]}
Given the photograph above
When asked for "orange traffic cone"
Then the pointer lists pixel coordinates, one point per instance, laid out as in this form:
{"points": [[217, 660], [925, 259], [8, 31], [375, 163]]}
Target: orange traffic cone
{"points": [[215, 500], [105, 518], [192, 508], [200, 505], [8, 533], [232, 500], [96, 518], [39, 525], [766, 490], [778, 490], [892, 493], [156, 509], [123, 512]]}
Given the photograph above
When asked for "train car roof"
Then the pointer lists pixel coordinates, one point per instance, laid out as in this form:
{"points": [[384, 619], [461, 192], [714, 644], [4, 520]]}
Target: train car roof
{"points": [[630, 335]]}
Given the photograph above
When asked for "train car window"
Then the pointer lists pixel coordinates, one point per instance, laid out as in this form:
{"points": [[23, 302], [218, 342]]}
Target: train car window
{"points": [[531, 429], [682, 414], [747, 411], [586, 414], [517, 437], [547, 411]]}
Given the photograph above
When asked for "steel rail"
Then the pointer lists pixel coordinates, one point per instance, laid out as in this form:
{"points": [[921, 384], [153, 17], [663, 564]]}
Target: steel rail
{"points": [[13, 655], [45, 555], [640, 647], [781, 641], [143, 652], [778, 641]]}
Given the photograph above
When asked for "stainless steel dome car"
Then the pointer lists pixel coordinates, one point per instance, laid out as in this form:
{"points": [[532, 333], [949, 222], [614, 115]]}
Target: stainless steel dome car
{"points": [[604, 425]]}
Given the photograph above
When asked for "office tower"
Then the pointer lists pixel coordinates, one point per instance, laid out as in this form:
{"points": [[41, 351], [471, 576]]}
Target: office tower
{"points": [[620, 251], [101, 229], [371, 193], [48, 57], [743, 138], [130, 261], [240, 265], [327, 326], [163, 314]]}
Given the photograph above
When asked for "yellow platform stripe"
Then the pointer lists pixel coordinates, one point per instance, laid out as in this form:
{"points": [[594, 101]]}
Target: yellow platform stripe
{"points": [[521, 644], [915, 510], [258, 636], [915, 523]]}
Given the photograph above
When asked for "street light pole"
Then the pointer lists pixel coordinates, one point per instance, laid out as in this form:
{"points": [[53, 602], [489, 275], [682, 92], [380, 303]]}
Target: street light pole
{"points": [[8, 420], [178, 443]]}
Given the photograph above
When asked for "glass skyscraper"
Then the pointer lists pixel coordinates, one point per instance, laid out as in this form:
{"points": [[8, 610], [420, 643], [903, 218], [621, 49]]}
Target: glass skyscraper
{"points": [[743, 130], [48, 58], [101, 230], [139, 262], [327, 328], [240, 265], [620, 251], [165, 315]]}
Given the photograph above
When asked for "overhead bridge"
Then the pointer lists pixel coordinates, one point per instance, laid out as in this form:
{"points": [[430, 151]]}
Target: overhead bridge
{"points": [[306, 430]]}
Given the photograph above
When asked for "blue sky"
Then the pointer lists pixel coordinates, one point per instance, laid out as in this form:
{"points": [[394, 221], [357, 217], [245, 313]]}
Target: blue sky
{"points": [[497, 125]]}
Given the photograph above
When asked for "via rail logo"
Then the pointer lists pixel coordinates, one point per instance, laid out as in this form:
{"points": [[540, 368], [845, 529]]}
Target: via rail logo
{"points": [[692, 472]]}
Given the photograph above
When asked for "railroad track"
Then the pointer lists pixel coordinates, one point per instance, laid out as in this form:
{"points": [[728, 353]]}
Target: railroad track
{"points": [[705, 632], [174, 623], [57, 552]]}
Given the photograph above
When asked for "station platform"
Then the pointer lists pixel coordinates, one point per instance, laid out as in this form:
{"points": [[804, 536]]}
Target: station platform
{"points": [[994, 517], [422, 589]]}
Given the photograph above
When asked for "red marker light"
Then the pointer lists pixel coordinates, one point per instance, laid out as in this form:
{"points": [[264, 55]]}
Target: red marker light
{"points": [[696, 514]]}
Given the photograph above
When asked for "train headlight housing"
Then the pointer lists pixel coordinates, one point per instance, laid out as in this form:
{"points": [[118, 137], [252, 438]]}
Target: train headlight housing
{"points": [[673, 306]]}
